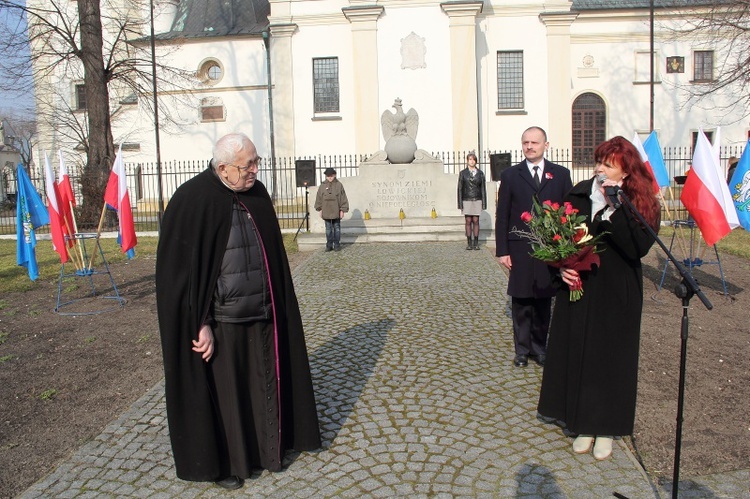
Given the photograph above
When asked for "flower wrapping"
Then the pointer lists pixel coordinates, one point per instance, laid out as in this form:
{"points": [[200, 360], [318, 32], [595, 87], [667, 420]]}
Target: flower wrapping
{"points": [[559, 237], [584, 260]]}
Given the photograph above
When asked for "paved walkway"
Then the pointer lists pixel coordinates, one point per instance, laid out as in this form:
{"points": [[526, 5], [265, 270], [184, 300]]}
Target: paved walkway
{"points": [[410, 347]]}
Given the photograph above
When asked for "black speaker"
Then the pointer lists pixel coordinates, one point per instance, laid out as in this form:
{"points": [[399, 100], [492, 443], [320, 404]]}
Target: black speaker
{"points": [[305, 169], [498, 163]]}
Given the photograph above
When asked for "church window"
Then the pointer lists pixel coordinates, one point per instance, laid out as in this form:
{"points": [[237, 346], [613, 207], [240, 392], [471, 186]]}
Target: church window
{"points": [[326, 84], [589, 128], [510, 79]]}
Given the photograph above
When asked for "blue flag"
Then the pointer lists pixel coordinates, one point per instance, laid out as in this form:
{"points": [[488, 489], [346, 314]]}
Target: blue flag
{"points": [[739, 188], [30, 214], [656, 159]]}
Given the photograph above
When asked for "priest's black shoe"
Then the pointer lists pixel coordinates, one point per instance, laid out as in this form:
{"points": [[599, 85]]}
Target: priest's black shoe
{"points": [[540, 359], [230, 483], [521, 361]]}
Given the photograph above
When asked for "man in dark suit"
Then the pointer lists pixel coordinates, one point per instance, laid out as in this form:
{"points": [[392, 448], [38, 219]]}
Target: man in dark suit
{"points": [[529, 284]]}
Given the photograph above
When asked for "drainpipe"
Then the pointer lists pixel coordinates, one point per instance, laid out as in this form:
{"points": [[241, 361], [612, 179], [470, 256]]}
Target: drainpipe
{"points": [[267, 42]]}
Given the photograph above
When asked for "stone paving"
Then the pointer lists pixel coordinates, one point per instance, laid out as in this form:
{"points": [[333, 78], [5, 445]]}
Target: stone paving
{"points": [[410, 347]]}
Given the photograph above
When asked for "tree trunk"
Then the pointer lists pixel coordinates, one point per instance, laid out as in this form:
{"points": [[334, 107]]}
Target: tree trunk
{"points": [[101, 150]]}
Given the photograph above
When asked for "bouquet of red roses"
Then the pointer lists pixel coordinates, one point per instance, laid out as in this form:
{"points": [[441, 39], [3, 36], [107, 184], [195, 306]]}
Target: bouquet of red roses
{"points": [[559, 237]]}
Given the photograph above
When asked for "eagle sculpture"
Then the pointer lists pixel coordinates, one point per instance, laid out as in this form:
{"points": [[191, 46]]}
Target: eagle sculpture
{"points": [[399, 123]]}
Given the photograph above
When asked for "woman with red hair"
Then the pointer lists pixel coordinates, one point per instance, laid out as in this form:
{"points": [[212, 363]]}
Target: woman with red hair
{"points": [[590, 377]]}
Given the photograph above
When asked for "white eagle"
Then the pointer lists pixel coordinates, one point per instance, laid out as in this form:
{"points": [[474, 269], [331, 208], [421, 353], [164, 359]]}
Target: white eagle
{"points": [[399, 123]]}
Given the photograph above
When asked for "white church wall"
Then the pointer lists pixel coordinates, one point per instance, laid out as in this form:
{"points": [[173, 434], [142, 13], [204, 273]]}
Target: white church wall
{"points": [[502, 130], [609, 57], [426, 89], [241, 91], [327, 133]]}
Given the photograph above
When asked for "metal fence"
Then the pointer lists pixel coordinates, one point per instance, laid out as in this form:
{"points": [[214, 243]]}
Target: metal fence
{"points": [[280, 177]]}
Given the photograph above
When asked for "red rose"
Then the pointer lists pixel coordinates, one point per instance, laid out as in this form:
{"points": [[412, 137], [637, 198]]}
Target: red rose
{"points": [[569, 208], [564, 220], [578, 235], [526, 217], [548, 176], [556, 237]]}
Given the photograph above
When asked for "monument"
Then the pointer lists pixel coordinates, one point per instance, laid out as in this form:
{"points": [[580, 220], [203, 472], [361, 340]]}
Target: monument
{"points": [[403, 189]]}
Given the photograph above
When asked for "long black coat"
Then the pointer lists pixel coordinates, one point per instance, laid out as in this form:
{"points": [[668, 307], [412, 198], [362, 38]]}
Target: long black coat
{"points": [[529, 277], [194, 234], [591, 372]]}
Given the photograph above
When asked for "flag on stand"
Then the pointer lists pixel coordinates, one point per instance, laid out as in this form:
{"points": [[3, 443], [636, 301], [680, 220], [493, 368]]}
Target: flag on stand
{"points": [[116, 197], [56, 222], [30, 214], [644, 157], [67, 199], [656, 159], [706, 195], [739, 188]]}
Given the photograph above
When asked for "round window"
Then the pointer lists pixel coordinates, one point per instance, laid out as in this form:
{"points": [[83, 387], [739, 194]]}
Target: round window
{"points": [[211, 71]]}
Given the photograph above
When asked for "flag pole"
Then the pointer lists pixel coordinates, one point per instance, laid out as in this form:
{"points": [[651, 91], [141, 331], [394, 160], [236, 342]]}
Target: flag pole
{"points": [[98, 233], [75, 231], [77, 262]]}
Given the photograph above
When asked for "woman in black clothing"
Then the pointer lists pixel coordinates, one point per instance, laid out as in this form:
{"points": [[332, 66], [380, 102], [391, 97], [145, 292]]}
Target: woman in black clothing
{"points": [[472, 199]]}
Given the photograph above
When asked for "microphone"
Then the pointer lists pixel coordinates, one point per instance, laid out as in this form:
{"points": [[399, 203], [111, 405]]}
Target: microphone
{"points": [[611, 191]]}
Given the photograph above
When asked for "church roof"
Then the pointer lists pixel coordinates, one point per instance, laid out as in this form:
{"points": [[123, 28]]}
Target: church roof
{"points": [[209, 18], [638, 4]]}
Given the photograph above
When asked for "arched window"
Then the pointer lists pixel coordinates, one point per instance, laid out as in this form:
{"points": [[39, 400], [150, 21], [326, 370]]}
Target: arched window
{"points": [[589, 128]]}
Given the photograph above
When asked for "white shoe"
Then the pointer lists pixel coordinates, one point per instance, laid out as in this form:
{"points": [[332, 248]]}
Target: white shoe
{"points": [[582, 444], [603, 448]]}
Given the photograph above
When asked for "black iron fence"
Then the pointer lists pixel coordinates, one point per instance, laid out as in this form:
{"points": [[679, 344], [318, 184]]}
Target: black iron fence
{"points": [[281, 179]]}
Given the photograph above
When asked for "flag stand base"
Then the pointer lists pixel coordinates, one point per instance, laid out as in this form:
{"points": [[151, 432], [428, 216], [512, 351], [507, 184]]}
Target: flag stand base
{"points": [[83, 299], [692, 260]]}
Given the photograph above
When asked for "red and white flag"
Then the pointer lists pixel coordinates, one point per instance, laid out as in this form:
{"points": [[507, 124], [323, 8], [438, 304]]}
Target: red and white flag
{"points": [[66, 198], [706, 194], [56, 223], [644, 157], [116, 197]]}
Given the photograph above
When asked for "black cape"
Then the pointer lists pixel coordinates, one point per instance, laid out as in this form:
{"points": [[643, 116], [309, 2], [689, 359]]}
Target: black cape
{"points": [[194, 232]]}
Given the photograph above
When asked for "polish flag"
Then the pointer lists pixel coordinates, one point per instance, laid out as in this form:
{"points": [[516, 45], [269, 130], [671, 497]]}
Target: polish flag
{"points": [[66, 198], [116, 197], [55, 215], [644, 157], [706, 194]]}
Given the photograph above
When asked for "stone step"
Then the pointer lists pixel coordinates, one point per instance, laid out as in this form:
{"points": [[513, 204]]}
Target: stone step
{"points": [[408, 230]]}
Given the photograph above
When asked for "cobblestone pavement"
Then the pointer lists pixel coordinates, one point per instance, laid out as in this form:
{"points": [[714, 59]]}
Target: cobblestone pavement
{"points": [[410, 347]]}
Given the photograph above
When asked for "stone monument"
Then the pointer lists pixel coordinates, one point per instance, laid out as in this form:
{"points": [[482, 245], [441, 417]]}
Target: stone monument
{"points": [[402, 188]]}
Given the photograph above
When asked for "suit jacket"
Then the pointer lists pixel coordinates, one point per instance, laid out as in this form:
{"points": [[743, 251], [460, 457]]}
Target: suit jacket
{"points": [[529, 278]]}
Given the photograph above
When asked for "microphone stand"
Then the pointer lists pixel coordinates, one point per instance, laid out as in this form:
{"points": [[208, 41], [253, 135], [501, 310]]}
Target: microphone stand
{"points": [[687, 288], [305, 220]]}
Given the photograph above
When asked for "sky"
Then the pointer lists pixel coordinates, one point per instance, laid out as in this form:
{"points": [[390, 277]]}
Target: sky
{"points": [[10, 101]]}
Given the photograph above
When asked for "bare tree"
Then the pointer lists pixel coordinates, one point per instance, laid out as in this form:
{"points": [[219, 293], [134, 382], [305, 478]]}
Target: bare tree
{"points": [[89, 41], [722, 27], [20, 134]]}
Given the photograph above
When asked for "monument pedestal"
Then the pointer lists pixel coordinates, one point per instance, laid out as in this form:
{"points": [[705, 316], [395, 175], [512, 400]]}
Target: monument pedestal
{"points": [[383, 190]]}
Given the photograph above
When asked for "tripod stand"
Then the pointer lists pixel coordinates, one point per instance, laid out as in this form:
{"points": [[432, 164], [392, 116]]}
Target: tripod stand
{"points": [[306, 220]]}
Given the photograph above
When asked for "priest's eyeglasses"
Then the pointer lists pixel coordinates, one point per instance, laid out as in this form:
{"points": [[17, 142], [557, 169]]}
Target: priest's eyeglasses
{"points": [[253, 163]]}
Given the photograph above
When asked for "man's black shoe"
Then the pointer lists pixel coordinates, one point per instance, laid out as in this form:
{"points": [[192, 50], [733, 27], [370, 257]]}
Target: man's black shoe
{"points": [[540, 359], [521, 361], [230, 483]]}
